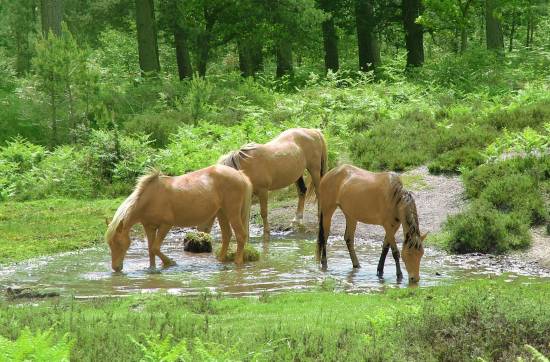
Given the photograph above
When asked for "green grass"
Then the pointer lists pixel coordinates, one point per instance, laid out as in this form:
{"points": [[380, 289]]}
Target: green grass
{"points": [[492, 319], [43, 227]]}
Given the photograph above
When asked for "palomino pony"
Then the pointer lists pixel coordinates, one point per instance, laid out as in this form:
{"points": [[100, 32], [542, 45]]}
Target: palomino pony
{"points": [[160, 202], [371, 198], [282, 162]]}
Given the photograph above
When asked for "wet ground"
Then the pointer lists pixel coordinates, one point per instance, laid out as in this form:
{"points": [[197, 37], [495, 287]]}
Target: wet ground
{"points": [[287, 263]]}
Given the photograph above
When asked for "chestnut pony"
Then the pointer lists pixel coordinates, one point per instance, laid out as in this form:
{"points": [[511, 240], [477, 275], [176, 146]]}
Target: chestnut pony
{"points": [[282, 162], [159, 202], [371, 198]]}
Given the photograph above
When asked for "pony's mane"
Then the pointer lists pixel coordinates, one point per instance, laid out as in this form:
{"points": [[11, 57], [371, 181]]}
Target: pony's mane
{"points": [[126, 207], [404, 197], [233, 158]]}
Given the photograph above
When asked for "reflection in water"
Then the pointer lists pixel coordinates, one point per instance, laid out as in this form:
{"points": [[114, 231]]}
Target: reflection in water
{"points": [[287, 263]]}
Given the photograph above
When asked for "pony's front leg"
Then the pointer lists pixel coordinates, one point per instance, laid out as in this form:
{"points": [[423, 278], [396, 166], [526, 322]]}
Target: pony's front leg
{"points": [[382, 261], [395, 253], [262, 195], [162, 231]]}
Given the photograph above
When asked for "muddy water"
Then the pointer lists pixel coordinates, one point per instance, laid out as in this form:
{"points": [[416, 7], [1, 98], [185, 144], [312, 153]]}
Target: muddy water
{"points": [[288, 263]]}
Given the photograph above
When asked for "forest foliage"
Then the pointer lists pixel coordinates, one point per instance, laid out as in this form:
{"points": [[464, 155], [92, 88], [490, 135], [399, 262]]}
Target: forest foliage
{"points": [[95, 93]]}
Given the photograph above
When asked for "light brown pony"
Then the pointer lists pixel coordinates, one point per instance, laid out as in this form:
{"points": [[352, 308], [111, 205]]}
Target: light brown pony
{"points": [[282, 162], [371, 198], [160, 202]]}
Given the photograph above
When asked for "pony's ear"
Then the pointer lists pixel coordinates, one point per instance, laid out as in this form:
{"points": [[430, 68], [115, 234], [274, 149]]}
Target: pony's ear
{"points": [[424, 236], [119, 227], [107, 222]]}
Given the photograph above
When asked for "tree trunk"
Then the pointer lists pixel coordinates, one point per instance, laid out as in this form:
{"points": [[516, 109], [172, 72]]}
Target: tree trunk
{"points": [[414, 33], [369, 53], [512, 32], [204, 52], [147, 37], [51, 13], [330, 43], [250, 56], [463, 39], [284, 59], [185, 69], [527, 42], [495, 39]]}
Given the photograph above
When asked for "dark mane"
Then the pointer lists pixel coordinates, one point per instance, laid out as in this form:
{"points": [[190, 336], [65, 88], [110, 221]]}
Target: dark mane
{"points": [[402, 197], [233, 158]]}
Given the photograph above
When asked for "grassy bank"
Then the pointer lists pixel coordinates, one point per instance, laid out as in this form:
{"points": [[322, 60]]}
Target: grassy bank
{"points": [[491, 319], [51, 226]]}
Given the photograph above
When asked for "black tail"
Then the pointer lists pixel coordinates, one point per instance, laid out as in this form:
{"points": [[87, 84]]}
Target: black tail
{"points": [[321, 242], [301, 185]]}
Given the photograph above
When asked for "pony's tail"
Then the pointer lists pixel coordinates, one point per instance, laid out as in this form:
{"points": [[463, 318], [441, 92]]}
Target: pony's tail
{"points": [[245, 209], [126, 207], [321, 241], [310, 193]]}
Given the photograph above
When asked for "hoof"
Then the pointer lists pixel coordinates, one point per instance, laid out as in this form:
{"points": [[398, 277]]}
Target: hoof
{"points": [[357, 266], [400, 276]]}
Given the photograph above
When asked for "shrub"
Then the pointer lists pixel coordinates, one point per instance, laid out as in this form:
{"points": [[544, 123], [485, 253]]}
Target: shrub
{"points": [[455, 160], [516, 194], [250, 253], [482, 228], [22, 153], [62, 173], [476, 180]]}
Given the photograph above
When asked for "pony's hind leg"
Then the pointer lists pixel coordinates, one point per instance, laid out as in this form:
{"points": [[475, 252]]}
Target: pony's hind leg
{"points": [[262, 195], [241, 236], [162, 231], [349, 237], [226, 235], [324, 231], [302, 189]]}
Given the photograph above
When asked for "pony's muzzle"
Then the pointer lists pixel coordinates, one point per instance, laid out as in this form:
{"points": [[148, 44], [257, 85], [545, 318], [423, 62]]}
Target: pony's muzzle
{"points": [[414, 280], [117, 268]]}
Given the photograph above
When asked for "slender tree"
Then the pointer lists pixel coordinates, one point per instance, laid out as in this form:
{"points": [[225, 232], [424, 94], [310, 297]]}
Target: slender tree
{"points": [[369, 53], [51, 14], [185, 69], [493, 29], [330, 37], [414, 32], [147, 36], [284, 58], [251, 57]]}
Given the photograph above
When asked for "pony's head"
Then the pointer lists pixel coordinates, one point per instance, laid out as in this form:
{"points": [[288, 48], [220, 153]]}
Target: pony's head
{"points": [[413, 248], [119, 242], [412, 253]]}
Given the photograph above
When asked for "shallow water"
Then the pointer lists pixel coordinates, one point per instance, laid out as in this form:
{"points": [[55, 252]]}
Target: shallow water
{"points": [[287, 263]]}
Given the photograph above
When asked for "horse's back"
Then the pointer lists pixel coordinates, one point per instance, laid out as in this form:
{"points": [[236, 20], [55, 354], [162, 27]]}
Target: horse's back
{"points": [[366, 196], [193, 198]]}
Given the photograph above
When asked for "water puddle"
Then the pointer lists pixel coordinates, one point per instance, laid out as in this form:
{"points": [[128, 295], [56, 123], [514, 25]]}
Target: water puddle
{"points": [[288, 263]]}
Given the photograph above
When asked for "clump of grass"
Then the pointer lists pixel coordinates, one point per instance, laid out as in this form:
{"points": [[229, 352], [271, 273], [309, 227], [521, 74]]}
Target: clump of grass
{"points": [[198, 242], [250, 253]]}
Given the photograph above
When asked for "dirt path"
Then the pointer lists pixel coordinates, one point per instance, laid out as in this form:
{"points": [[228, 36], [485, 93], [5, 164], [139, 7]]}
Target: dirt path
{"points": [[436, 197]]}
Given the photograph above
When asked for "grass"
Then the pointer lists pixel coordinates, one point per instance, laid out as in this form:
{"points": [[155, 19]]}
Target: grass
{"points": [[51, 226], [491, 319]]}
